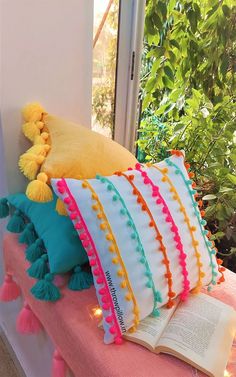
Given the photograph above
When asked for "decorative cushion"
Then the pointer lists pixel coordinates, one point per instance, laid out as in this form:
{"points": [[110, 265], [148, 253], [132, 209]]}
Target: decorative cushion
{"points": [[145, 239], [53, 245], [65, 149]]}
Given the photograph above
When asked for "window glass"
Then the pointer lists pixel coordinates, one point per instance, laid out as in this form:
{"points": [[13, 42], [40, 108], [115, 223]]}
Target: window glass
{"points": [[106, 15]]}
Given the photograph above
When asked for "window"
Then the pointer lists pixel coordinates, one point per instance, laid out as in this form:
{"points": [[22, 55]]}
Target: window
{"points": [[106, 17], [118, 37]]}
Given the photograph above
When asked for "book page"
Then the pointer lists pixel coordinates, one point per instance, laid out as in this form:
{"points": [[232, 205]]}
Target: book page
{"points": [[202, 330], [150, 329]]}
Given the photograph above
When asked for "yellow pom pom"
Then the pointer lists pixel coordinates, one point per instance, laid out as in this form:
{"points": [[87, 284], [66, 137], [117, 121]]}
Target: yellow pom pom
{"points": [[60, 208], [196, 290], [132, 329], [165, 170], [120, 273], [111, 248], [84, 184], [32, 112], [41, 139], [123, 284], [103, 226], [38, 190], [95, 207], [128, 297]]}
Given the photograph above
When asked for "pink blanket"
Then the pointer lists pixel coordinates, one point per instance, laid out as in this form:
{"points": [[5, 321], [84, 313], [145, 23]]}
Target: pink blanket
{"points": [[80, 342]]}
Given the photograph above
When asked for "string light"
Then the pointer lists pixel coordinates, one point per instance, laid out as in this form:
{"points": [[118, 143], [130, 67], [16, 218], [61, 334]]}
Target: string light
{"points": [[97, 312]]}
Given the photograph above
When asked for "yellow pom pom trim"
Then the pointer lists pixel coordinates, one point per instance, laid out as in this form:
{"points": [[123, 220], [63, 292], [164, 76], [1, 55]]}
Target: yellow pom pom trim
{"points": [[60, 208], [32, 112], [38, 190]]}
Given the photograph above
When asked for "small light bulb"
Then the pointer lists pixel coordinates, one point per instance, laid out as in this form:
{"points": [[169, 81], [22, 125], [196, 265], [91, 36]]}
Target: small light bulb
{"points": [[97, 312], [226, 373]]}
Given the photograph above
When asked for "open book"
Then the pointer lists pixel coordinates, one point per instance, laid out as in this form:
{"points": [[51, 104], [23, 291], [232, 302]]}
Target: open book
{"points": [[199, 331]]}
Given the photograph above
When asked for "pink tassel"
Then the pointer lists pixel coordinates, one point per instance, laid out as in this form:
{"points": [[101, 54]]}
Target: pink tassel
{"points": [[27, 322], [59, 367], [10, 290]]}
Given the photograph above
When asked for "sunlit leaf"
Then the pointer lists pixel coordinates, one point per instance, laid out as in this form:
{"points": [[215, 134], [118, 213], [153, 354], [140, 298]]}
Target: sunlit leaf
{"points": [[209, 197], [231, 178]]}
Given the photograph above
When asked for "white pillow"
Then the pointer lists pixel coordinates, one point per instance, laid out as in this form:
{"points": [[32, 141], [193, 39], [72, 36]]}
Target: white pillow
{"points": [[145, 240]]}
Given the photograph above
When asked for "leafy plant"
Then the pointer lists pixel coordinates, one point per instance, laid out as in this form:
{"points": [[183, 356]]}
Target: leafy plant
{"points": [[188, 96]]}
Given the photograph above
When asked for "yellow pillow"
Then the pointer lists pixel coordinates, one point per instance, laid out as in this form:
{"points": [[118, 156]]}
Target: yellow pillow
{"points": [[65, 149]]}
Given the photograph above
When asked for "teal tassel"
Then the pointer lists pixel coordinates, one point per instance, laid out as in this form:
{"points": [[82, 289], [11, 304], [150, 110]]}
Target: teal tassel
{"points": [[34, 251], [45, 290], [39, 268], [156, 312], [80, 280], [28, 236], [4, 208], [16, 223]]}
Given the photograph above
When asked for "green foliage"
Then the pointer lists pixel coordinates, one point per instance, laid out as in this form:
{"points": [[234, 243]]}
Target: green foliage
{"points": [[103, 105], [188, 93]]}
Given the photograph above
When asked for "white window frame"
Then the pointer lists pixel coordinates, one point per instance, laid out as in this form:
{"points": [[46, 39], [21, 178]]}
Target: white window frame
{"points": [[130, 43]]}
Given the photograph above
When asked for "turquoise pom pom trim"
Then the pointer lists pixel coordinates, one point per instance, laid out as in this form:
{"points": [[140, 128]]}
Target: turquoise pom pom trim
{"points": [[16, 223], [45, 290]]}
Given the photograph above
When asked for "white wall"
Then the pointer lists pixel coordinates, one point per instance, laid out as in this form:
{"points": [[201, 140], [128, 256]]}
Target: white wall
{"points": [[46, 56]]}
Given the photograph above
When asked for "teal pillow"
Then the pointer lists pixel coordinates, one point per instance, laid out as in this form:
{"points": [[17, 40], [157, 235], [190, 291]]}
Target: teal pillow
{"points": [[53, 245]]}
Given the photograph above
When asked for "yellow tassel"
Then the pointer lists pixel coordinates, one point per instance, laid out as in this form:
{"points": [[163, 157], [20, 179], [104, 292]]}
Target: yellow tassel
{"points": [[41, 139], [32, 129], [39, 149], [29, 164], [60, 208], [38, 190], [32, 112]]}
